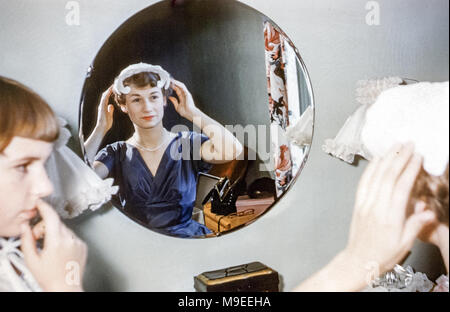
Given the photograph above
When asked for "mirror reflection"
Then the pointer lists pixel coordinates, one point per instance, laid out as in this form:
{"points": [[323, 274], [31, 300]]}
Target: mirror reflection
{"points": [[201, 112]]}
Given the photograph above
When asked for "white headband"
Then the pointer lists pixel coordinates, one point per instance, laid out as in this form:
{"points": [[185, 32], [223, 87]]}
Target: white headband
{"points": [[417, 113], [163, 83]]}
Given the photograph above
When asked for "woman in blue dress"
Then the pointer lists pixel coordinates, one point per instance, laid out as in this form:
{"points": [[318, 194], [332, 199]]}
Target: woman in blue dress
{"points": [[157, 170]]}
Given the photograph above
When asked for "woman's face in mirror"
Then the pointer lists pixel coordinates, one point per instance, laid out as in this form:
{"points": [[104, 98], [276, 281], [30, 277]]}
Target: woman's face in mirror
{"points": [[23, 181], [144, 106]]}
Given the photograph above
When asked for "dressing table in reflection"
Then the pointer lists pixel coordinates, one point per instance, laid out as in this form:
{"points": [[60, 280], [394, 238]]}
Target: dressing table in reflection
{"points": [[248, 210]]}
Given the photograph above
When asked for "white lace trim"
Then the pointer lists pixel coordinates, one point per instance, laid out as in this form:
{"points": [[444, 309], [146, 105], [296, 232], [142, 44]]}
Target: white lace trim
{"points": [[76, 186], [348, 143], [10, 280], [406, 280]]}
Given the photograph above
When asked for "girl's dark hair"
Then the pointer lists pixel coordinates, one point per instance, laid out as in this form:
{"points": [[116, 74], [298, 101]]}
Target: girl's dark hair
{"points": [[24, 113], [434, 190], [144, 79]]}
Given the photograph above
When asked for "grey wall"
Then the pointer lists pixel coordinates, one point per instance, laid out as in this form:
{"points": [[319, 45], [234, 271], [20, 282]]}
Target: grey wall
{"points": [[307, 228]]}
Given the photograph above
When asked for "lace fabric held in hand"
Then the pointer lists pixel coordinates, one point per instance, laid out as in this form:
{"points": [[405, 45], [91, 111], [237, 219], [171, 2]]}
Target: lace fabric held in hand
{"points": [[406, 280], [76, 186], [347, 143], [441, 284]]}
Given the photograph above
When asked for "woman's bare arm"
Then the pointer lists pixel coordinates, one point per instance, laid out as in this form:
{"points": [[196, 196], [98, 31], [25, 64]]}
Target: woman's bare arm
{"points": [[104, 123], [222, 145]]}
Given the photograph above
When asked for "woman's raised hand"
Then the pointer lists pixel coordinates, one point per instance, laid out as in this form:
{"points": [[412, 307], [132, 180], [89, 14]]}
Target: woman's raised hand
{"points": [[185, 106], [105, 111], [105, 118], [384, 224], [59, 266]]}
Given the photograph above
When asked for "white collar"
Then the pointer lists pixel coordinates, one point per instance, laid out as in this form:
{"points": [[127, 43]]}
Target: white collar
{"points": [[11, 258]]}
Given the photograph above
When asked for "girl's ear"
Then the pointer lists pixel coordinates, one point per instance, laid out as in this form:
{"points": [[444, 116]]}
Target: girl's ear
{"points": [[123, 108]]}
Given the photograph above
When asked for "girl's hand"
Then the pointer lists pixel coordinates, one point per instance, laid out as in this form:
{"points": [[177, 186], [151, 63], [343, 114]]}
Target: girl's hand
{"points": [[105, 111], [59, 266], [383, 228], [185, 106]]}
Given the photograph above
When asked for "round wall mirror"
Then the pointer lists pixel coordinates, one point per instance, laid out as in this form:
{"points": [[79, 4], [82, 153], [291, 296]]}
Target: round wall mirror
{"points": [[202, 112]]}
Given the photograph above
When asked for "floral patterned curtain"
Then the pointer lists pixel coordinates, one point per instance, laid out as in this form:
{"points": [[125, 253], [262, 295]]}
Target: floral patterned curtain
{"points": [[284, 108]]}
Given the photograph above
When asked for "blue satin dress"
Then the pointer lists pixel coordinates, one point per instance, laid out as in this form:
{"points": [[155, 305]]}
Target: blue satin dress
{"points": [[163, 202]]}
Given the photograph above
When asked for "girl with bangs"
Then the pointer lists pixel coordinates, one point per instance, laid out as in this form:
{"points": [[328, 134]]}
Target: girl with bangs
{"points": [[28, 128]]}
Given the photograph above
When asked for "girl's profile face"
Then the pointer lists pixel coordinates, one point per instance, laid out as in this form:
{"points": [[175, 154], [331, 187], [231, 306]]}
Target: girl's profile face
{"points": [[23, 180], [145, 106]]}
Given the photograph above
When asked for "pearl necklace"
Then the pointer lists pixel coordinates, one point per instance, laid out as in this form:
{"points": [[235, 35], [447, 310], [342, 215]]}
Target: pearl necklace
{"points": [[147, 148]]}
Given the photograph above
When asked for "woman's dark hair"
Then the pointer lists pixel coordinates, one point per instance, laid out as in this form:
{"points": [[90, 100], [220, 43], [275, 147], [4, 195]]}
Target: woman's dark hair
{"points": [[144, 79]]}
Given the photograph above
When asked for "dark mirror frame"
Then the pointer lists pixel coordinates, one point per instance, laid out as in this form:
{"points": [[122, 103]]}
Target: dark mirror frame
{"points": [[136, 19]]}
